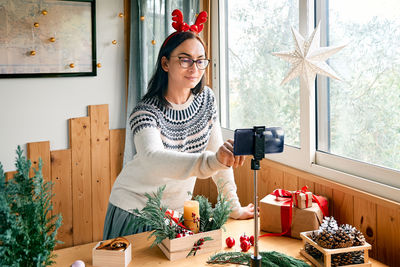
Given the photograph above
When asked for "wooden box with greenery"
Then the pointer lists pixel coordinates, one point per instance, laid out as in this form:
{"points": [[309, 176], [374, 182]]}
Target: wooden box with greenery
{"points": [[27, 228], [167, 230]]}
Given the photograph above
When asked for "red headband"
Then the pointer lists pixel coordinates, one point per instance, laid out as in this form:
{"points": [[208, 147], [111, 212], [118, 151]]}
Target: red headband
{"points": [[180, 26]]}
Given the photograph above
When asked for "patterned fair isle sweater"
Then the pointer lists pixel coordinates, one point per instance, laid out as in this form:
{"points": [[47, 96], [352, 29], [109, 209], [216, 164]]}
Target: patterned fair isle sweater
{"points": [[174, 145]]}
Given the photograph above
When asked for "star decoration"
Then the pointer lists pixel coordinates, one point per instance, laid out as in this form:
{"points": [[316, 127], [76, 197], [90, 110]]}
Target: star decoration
{"points": [[308, 59]]}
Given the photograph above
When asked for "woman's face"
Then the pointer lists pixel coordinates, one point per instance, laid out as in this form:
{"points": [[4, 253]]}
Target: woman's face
{"points": [[178, 76]]}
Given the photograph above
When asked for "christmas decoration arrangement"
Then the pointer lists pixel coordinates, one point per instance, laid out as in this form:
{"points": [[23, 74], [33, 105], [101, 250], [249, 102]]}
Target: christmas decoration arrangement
{"points": [[27, 228], [198, 229], [332, 236]]}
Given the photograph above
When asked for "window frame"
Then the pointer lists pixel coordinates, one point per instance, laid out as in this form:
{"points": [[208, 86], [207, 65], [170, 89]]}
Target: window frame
{"points": [[377, 180]]}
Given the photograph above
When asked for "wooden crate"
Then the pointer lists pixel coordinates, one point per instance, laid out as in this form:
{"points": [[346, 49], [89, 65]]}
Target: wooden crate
{"points": [[111, 258], [179, 248], [325, 260]]}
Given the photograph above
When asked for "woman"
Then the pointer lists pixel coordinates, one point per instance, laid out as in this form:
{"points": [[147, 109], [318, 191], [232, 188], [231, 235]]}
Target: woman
{"points": [[177, 138]]}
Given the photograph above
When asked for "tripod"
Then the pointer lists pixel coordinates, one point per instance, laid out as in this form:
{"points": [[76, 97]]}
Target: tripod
{"points": [[258, 154]]}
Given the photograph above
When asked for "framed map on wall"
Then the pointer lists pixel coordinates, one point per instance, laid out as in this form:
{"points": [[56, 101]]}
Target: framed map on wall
{"points": [[47, 38]]}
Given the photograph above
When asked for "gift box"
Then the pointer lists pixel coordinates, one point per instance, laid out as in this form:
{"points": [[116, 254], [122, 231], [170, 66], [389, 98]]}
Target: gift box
{"points": [[111, 258], [302, 200], [277, 215]]}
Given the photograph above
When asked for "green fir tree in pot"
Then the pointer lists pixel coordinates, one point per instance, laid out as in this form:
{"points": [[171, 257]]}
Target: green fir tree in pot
{"points": [[27, 228]]}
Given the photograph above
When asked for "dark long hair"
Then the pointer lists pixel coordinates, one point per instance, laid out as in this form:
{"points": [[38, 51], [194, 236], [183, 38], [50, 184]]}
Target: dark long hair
{"points": [[158, 83]]}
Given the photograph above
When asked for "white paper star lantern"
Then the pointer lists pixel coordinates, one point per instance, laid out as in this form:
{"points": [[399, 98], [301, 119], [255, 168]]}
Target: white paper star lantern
{"points": [[308, 58]]}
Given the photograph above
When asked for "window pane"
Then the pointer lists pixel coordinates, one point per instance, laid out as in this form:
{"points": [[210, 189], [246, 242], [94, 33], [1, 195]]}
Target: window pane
{"points": [[365, 106], [256, 28]]}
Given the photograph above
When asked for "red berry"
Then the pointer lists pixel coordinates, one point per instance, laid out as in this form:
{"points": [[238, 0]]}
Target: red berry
{"points": [[244, 237], [230, 242], [245, 245], [252, 240], [179, 235]]}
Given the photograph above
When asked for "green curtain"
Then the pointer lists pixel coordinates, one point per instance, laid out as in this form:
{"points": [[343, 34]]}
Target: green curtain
{"points": [[150, 24]]}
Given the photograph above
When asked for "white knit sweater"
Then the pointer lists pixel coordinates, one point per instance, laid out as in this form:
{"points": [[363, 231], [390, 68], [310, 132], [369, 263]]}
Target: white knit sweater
{"points": [[174, 145]]}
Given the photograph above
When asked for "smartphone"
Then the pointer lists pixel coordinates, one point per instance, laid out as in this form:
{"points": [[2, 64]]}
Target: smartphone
{"points": [[244, 141]]}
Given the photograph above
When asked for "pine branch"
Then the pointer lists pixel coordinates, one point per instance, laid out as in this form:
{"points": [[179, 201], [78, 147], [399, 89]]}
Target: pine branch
{"points": [[269, 259]]}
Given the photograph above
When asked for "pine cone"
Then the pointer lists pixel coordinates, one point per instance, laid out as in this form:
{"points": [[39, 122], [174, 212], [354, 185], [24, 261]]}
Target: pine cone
{"points": [[342, 239], [325, 239], [357, 237], [342, 259], [329, 224], [315, 253]]}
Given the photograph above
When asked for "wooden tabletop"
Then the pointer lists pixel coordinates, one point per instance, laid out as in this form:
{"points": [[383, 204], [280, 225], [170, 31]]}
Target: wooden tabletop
{"points": [[143, 255]]}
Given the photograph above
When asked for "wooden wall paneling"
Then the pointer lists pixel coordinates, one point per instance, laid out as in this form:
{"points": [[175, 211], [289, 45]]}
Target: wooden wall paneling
{"points": [[213, 192], [343, 207], [41, 150], [61, 176], [81, 180], [117, 146], [244, 182], [365, 221], [10, 175], [100, 164], [388, 235], [264, 183], [290, 181], [322, 190], [306, 182], [202, 187], [275, 181]]}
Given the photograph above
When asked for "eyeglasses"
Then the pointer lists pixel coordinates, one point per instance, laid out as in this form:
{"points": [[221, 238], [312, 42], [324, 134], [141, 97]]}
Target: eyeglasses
{"points": [[187, 62]]}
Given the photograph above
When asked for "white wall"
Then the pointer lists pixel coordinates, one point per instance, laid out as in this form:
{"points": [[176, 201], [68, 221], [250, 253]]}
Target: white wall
{"points": [[38, 109]]}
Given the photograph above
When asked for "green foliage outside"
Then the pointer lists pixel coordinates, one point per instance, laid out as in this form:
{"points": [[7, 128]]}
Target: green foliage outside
{"points": [[27, 228], [364, 107], [256, 29]]}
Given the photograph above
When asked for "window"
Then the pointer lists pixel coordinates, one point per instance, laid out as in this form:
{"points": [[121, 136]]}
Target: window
{"points": [[360, 115], [349, 130], [254, 96]]}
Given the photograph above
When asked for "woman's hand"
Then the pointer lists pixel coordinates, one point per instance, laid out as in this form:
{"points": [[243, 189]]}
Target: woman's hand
{"points": [[247, 212], [225, 155]]}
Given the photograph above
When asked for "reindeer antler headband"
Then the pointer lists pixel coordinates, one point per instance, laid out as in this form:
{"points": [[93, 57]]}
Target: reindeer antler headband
{"points": [[180, 26]]}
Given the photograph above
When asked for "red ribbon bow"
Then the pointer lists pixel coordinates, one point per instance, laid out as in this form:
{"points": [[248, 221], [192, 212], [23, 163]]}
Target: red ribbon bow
{"points": [[170, 214]]}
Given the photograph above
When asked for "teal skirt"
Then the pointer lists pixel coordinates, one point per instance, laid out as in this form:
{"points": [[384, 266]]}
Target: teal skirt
{"points": [[119, 222]]}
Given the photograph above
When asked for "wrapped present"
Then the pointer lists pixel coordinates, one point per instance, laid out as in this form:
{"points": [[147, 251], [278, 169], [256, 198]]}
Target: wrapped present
{"points": [[302, 200], [278, 217]]}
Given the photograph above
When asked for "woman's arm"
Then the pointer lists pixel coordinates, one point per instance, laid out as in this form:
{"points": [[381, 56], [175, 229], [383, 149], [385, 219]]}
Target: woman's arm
{"points": [[173, 164], [227, 179]]}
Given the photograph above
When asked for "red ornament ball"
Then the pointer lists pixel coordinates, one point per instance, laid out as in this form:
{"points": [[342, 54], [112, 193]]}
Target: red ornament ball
{"points": [[245, 245], [230, 242], [244, 237], [252, 240]]}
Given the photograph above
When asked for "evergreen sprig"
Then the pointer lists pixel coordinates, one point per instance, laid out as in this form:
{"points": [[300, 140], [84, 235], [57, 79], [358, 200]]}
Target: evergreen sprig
{"points": [[269, 259], [27, 229], [153, 215], [214, 218]]}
